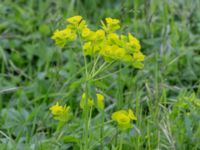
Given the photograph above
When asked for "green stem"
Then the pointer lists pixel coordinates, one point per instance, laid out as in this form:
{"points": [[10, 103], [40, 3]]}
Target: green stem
{"points": [[94, 65], [121, 143], [102, 128], [85, 60], [116, 138], [86, 118], [85, 110], [90, 116], [104, 66]]}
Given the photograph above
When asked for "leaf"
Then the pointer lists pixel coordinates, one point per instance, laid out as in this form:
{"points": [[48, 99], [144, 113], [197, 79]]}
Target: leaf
{"points": [[70, 139]]}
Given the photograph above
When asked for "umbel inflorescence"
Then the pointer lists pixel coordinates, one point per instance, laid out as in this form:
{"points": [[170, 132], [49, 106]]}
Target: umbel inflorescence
{"points": [[104, 42]]}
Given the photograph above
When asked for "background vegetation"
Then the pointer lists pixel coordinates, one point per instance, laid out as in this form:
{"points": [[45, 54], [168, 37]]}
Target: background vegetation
{"points": [[35, 74]]}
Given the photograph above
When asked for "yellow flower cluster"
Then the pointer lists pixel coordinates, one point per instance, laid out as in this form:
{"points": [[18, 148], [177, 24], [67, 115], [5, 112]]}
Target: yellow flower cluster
{"points": [[91, 103], [105, 42], [61, 113], [61, 37], [123, 118]]}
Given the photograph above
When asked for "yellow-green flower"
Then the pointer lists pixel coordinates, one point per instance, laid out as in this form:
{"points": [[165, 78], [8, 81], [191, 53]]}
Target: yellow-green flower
{"points": [[123, 118], [119, 52], [138, 56], [113, 52], [87, 47], [82, 26], [113, 38], [56, 109], [61, 113], [99, 35], [131, 115], [111, 21], [100, 101], [107, 51], [104, 42], [112, 24], [124, 38], [90, 102], [76, 23], [75, 20], [61, 37], [87, 34], [134, 43]]}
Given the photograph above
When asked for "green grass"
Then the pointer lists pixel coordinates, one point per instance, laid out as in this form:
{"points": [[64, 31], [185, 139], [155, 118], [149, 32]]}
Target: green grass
{"points": [[165, 94]]}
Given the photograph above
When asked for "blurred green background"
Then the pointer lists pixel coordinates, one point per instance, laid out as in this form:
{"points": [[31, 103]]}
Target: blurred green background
{"points": [[35, 73]]}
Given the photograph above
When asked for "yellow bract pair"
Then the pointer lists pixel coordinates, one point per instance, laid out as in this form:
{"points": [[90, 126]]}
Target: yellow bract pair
{"points": [[61, 113], [123, 118], [105, 42], [91, 103], [111, 25], [61, 37]]}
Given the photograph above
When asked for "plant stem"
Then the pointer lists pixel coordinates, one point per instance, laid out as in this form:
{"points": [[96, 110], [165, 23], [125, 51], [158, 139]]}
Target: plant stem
{"points": [[121, 142], [86, 118], [116, 138], [85, 110], [102, 128]]}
